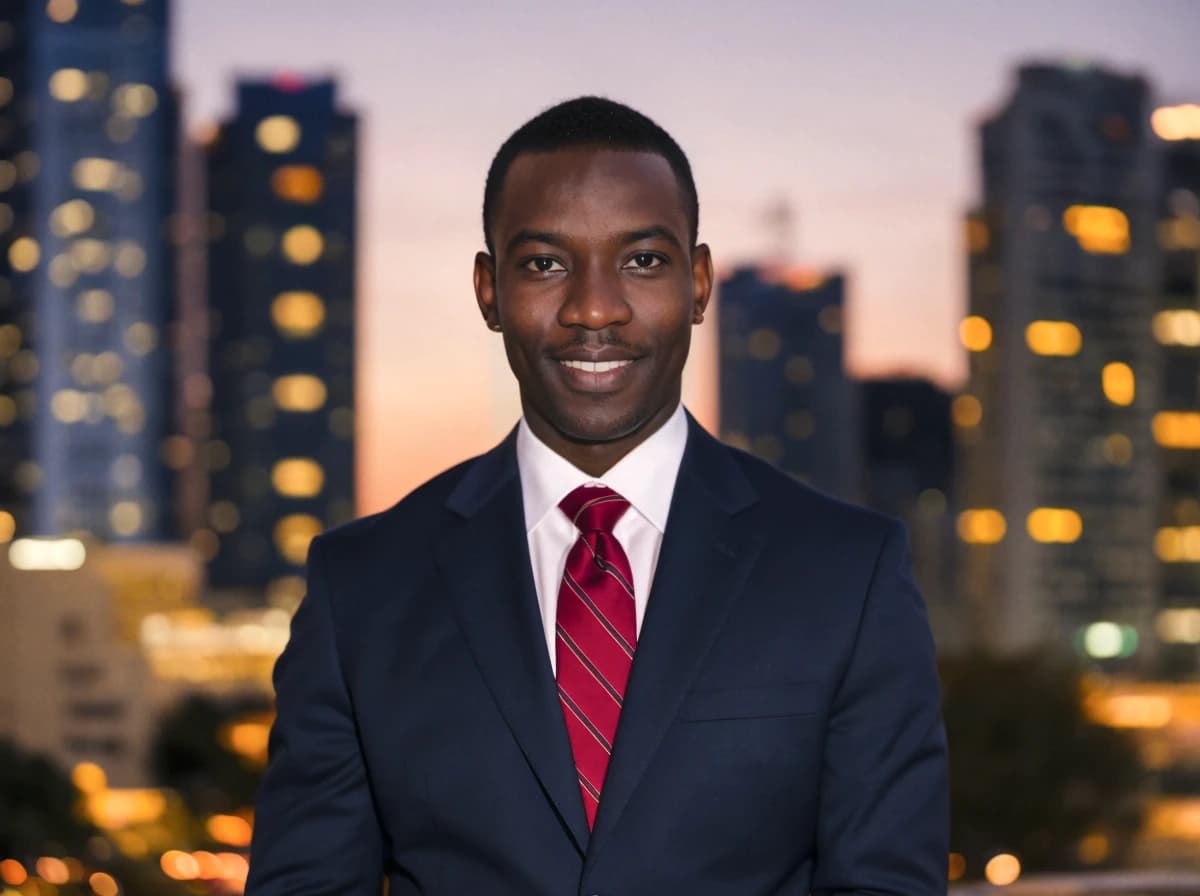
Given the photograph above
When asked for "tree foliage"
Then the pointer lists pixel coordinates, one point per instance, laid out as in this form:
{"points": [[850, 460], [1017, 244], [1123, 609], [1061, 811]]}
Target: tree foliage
{"points": [[1030, 773]]}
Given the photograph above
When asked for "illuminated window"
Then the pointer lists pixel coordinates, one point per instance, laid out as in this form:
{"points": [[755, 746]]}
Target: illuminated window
{"points": [[125, 517], [1053, 337], [1119, 384], [8, 526], [799, 425], [975, 333], [89, 255], [1105, 640], [1054, 525], [981, 526], [298, 314], [126, 470], [68, 405], [130, 259], [1177, 429], [24, 366], [177, 452], [134, 100], [297, 183], [94, 305], [107, 367], [1002, 870], [303, 244], [768, 447], [1118, 449], [1179, 326], [1180, 122], [10, 340], [278, 133], [128, 185], [829, 319], [967, 411], [71, 218], [798, 369], [763, 344], [1099, 229], [62, 272], [1178, 544], [293, 534], [1179, 234], [224, 516], [1175, 626], [95, 174], [977, 236], [141, 338], [299, 392], [68, 85], [61, 11], [24, 254], [298, 477], [8, 410]]}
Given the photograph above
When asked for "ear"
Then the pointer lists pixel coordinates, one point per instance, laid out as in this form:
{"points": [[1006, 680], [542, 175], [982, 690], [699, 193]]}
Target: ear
{"points": [[485, 289], [702, 281]]}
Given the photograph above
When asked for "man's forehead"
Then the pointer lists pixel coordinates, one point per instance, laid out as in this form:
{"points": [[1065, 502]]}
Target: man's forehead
{"points": [[568, 181]]}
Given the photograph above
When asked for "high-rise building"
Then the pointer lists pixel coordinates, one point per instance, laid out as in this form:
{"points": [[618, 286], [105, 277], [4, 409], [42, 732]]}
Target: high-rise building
{"points": [[18, 258], [908, 473], [784, 391], [1058, 467], [1176, 425], [281, 186], [87, 344]]}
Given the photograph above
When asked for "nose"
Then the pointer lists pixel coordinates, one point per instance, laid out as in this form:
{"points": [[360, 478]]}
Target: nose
{"points": [[595, 298]]}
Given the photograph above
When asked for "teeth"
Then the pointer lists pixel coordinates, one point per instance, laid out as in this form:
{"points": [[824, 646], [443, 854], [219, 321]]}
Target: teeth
{"points": [[596, 366]]}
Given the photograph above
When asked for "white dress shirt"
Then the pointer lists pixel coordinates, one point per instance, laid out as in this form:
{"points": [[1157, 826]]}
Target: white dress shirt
{"points": [[645, 477]]}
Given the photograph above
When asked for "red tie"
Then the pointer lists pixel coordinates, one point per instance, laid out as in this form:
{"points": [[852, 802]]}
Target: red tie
{"points": [[596, 635]]}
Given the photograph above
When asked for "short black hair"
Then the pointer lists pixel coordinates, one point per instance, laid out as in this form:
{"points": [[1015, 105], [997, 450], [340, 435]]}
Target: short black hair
{"points": [[589, 121]]}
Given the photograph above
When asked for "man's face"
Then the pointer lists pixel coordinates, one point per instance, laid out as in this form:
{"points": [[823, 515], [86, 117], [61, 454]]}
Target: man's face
{"points": [[594, 289]]}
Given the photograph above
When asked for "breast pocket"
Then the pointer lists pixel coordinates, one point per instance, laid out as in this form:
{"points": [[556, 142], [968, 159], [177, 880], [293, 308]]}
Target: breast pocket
{"points": [[795, 699]]}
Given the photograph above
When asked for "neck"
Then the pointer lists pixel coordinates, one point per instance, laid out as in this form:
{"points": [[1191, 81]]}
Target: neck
{"points": [[597, 458]]}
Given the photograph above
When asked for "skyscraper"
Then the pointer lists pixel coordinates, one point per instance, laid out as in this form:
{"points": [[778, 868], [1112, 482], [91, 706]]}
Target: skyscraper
{"points": [[784, 391], [18, 258], [1058, 478], [1176, 425], [88, 356], [908, 452], [282, 179]]}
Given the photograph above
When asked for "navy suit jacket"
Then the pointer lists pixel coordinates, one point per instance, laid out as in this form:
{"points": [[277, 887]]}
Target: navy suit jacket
{"points": [[781, 732]]}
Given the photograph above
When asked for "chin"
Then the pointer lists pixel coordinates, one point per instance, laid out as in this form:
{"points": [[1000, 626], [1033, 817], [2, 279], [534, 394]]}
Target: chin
{"points": [[600, 424]]}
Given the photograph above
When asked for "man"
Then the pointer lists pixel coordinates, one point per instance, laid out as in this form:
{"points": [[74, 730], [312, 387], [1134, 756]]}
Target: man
{"points": [[612, 655]]}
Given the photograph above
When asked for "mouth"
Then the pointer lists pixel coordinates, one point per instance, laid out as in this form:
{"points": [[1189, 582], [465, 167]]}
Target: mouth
{"points": [[595, 376]]}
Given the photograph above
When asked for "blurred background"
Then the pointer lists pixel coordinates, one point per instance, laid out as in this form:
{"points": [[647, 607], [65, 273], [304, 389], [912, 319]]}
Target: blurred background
{"points": [[958, 248]]}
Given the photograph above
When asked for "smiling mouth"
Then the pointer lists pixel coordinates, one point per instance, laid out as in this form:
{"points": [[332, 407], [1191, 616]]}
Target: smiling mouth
{"points": [[596, 366]]}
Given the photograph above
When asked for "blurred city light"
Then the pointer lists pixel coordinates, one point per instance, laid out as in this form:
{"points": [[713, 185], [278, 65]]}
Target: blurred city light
{"points": [[1181, 122], [1099, 229], [1003, 870], [1053, 337], [47, 553]]}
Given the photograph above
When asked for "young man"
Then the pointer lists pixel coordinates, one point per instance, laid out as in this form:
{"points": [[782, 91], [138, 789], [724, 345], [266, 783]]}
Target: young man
{"points": [[612, 655]]}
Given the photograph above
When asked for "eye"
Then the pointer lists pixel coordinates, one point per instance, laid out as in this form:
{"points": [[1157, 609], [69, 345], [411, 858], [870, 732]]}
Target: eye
{"points": [[543, 264], [645, 261]]}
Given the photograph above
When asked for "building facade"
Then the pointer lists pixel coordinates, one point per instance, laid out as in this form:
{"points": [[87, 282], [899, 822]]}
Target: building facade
{"points": [[281, 186], [784, 391], [1176, 425], [88, 370], [1058, 480]]}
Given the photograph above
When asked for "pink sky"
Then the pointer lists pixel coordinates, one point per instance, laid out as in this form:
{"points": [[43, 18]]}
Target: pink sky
{"points": [[859, 116]]}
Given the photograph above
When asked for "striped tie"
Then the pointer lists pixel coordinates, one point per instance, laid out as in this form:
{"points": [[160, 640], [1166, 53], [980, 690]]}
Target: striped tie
{"points": [[596, 635]]}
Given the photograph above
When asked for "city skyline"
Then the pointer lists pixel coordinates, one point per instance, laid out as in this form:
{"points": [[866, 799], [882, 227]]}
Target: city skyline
{"points": [[867, 132]]}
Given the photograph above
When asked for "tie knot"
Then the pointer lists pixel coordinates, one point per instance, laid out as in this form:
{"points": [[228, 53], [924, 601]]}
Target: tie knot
{"points": [[594, 508]]}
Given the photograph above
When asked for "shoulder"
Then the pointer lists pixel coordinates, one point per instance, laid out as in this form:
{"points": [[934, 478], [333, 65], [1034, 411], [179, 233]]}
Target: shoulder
{"points": [[381, 534]]}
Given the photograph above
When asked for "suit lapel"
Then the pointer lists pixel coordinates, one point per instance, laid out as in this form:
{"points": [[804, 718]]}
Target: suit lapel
{"points": [[485, 561], [705, 559]]}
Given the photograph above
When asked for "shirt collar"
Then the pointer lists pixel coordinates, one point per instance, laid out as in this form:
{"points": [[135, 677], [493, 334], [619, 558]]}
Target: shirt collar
{"points": [[645, 477]]}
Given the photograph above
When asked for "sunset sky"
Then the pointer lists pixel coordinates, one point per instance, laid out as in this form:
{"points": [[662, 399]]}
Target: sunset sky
{"points": [[861, 116]]}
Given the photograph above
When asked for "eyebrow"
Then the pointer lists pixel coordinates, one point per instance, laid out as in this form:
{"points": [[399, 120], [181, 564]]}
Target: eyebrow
{"points": [[655, 231]]}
